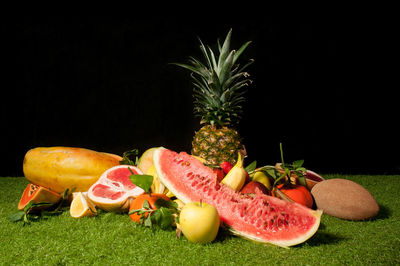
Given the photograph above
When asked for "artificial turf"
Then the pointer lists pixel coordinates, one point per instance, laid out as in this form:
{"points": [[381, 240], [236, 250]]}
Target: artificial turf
{"points": [[113, 239]]}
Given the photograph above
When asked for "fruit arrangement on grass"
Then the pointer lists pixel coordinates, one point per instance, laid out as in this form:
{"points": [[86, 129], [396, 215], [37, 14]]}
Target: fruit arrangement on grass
{"points": [[195, 193]]}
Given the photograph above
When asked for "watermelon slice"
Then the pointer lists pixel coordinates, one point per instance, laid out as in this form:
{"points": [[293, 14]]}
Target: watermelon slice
{"points": [[256, 217], [114, 189]]}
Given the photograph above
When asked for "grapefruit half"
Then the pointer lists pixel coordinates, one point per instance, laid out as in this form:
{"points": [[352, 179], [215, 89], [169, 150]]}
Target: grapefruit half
{"points": [[114, 189]]}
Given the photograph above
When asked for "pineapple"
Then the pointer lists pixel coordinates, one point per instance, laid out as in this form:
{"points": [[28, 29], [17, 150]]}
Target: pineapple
{"points": [[218, 95]]}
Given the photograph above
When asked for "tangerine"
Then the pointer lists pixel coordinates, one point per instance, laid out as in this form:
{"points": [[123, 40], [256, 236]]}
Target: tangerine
{"points": [[299, 194], [137, 204]]}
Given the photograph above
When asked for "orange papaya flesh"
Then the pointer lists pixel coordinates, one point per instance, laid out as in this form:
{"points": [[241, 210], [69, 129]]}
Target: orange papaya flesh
{"points": [[38, 194]]}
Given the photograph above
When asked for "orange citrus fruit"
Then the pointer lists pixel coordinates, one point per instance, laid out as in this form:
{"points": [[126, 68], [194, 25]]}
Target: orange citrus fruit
{"points": [[137, 203], [299, 194], [81, 206]]}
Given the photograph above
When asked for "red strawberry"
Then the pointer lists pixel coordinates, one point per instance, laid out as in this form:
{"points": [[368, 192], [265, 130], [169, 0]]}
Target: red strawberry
{"points": [[226, 167], [220, 174]]}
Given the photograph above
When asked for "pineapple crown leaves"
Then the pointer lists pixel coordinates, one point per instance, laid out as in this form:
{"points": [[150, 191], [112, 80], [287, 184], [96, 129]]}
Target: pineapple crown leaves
{"points": [[218, 83]]}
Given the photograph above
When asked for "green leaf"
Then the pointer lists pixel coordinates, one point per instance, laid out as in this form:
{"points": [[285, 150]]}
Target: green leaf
{"points": [[280, 177], [160, 202], [301, 169], [147, 221], [240, 51], [281, 149], [146, 205], [251, 167], [271, 172], [205, 53], [166, 218], [134, 211], [226, 67], [18, 216], [297, 164], [301, 178], [40, 204], [127, 160], [156, 217], [224, 50], [142, 181], [28, 206]]}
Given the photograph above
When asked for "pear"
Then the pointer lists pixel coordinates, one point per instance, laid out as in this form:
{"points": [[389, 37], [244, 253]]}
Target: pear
{"points": [[236, 177]]}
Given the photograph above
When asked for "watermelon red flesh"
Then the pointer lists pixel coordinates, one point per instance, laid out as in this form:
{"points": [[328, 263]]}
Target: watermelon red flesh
{"points": [[260, 217]]}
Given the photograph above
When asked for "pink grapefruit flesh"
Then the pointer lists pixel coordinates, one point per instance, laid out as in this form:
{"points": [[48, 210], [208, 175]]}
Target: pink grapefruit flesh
{"points": [[114, 189]]}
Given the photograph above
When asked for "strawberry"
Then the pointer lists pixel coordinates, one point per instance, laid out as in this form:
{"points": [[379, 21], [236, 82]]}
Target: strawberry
{"points": [[226, 167], [220, 174]]}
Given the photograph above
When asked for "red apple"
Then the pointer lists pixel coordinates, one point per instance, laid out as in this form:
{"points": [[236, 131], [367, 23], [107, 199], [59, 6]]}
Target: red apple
{"points": [[251, 187]]}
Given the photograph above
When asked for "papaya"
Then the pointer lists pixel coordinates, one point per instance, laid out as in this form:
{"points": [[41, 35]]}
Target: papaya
{"points": [[38, 194], [59, 168]]}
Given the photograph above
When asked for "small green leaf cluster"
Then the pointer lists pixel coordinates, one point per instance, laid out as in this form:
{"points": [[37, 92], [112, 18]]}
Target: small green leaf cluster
{"points": [[126, 157], [34, 211], [162, 216], [28, 214], [285, 171]]}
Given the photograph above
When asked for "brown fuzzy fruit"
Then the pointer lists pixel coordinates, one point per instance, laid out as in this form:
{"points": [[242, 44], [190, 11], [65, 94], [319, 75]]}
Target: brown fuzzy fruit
{"points": [[344, 199]]}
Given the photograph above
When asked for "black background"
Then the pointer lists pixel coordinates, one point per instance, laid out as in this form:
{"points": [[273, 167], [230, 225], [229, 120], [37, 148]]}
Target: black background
{"points": [[321, 86]]}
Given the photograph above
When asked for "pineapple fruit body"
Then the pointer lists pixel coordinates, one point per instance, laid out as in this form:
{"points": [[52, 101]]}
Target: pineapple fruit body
{"points": [[216, 144]]}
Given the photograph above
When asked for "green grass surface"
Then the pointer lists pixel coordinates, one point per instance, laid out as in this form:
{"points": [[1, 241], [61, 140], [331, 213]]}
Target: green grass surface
{"points": [[112, 239]]}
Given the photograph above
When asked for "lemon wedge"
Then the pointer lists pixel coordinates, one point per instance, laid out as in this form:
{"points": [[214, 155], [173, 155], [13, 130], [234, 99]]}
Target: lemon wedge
{"points": [[81, 206]]}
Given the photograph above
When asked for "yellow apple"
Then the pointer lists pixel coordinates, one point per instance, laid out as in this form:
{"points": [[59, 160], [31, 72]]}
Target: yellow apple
{"points": [[199, 222]]}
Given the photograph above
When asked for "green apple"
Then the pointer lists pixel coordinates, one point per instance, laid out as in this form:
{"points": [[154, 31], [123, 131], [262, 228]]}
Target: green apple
{"points": [[199, 222], [261, 177]]}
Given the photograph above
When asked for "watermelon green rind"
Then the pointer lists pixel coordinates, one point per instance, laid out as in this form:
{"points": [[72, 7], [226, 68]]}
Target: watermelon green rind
{"points": [[247, 216], [284, 244]]}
